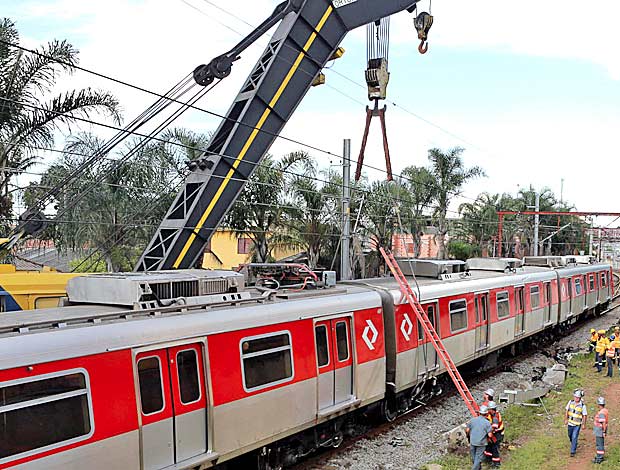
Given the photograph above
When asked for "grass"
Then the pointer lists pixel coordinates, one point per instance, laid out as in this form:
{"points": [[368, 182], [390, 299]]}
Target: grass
{"points": [[533, 440]]}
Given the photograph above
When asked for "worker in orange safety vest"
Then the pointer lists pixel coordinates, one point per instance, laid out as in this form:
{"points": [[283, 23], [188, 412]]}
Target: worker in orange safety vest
{"points": [[497, 426], [601, 421]]}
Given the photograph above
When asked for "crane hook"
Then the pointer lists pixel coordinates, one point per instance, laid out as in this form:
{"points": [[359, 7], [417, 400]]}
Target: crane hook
{"points": [[423, 23]]}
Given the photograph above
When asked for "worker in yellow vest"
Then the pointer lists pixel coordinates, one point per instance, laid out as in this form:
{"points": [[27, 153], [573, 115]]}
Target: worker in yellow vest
{"points": [[611, 355], [574, 418], [601, 349], [593, 340]]}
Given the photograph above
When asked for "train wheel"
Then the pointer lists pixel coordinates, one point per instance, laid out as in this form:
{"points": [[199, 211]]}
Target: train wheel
{"points": [[388, 412]]}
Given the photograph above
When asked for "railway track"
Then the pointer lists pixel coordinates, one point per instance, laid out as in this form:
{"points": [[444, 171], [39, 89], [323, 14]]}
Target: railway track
{"points": [[367, 431]]}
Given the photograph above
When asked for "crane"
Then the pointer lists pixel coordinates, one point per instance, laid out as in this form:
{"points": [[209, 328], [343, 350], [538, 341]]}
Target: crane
{"points": [[308, 36]]}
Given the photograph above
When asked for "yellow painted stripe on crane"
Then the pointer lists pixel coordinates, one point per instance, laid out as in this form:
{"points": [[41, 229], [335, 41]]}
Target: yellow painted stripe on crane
{"points": [[252, 137]]}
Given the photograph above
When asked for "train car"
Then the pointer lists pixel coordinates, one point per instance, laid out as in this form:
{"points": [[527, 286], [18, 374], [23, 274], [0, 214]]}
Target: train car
{"points": [[28, 290], [176, 370]]}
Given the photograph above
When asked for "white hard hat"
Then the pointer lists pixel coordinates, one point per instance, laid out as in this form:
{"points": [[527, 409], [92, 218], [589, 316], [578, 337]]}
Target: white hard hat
{"points": [[578, 394], [490, 392], [492, 405], [601, 400], [483, 410]]}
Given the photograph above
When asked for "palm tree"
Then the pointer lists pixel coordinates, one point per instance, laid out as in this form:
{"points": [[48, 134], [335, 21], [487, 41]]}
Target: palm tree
{"points": [[113, 206], [450, 175], [414, 202], [258, 213], [29, 116]]}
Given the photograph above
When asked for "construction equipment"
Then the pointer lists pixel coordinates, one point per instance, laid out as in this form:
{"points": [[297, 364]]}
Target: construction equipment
{"points": [[430, 332], [308, 36]]}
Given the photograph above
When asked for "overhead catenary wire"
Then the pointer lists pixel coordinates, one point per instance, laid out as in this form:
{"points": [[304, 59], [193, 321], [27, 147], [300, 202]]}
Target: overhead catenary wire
{"points": [[193, 106]]}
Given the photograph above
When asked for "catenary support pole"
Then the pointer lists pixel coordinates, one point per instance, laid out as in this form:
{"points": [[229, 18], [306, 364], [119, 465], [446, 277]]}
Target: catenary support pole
{"points": [[536, 224], [345, 265]]}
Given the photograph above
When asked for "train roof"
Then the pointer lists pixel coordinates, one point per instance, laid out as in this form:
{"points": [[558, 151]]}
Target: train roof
{"points": [[69, 330], [52, 334]]}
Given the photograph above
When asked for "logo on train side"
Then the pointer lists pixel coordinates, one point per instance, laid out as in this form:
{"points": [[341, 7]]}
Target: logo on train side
{"points": [[370, 342], [406, 327]]}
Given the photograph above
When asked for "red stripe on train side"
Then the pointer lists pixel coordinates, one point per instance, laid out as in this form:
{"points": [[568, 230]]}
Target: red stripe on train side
{"points": [[112, 392], [225, 359]]}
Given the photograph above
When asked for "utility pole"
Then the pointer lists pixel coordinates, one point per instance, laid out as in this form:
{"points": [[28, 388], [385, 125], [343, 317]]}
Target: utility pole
{"points": [[345, 265], [591, 237], [536, 223], [561, 192]]}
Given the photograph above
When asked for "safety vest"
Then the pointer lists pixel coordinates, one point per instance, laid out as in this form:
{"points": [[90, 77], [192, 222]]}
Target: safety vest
{"points": [[602, 418], [594, 338], [497, 423], [601, 345], [575, 413], [611, 349]]}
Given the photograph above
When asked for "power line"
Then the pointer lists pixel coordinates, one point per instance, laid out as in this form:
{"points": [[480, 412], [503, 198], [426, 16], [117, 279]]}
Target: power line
{"points": [[190, 106]]}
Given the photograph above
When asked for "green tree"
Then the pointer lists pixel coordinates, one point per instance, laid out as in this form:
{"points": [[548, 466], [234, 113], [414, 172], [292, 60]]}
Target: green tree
{"points": [[381, 219], [450, 176], [29, 114], [415, 201], [114, 206], [258, 213], [314, 213]]}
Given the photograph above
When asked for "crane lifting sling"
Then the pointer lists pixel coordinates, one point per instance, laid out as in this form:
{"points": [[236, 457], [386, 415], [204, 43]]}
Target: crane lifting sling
{"points": [[431, 333]]}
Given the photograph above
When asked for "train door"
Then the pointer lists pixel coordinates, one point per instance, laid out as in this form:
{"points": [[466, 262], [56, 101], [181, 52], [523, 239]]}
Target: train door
{"points": [[481, 307], [429, 354], [172, 404], [547, 300], [334, 361], [520, 311], [569, 288]]}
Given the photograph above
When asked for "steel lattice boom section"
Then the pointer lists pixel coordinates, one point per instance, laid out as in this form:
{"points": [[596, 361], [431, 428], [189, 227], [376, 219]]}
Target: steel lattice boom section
{"points": [[431, 333]]}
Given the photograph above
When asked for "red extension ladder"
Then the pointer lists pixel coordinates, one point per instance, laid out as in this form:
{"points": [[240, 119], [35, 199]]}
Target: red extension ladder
{"points": [[431, 333]]}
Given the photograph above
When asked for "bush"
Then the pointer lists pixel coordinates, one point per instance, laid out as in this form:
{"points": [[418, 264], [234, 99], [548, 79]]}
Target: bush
{"points": [[462, 250]]}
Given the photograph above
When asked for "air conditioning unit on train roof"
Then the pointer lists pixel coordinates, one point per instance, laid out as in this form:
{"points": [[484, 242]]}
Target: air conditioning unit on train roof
{"points": [[139, 290], [494, 264], [544, 261], [435, 268]]}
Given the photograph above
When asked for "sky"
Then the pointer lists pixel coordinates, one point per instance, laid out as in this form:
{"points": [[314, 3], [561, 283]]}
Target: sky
{"points": [[532, 94]]}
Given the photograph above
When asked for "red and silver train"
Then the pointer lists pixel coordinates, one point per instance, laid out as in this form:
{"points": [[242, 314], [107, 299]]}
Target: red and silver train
{"points": [[190, 369]]}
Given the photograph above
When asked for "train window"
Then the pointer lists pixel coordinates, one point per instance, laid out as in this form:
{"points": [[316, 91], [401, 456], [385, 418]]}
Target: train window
{"points": [[342, 341], [36, 415], [503, 306], [591, 279], [322, 348], [189, 379], [266, 360], [2, 303], [578, 286], [603, 280], [458, 315], [432, 316], [151, 387], [534, 296]]}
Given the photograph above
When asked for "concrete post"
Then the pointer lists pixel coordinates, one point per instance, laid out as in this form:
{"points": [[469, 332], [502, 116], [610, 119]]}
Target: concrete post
{"points": [[345, 264], [536, 224]]}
